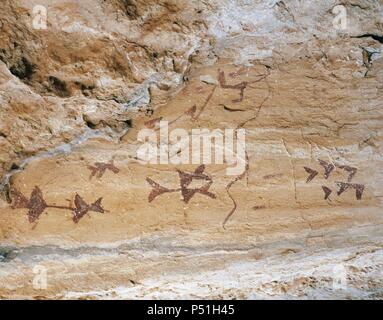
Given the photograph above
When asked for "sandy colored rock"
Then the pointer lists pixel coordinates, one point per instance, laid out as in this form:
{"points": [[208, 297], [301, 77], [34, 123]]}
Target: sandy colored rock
{"points": [[303, 216]]}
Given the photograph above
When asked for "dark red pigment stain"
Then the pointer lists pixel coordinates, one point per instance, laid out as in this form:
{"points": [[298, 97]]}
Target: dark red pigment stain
{"points": [[82, 208], [272, 176], [239, 86], [241, 71], [312, 174], [259, 207], [344, 186], [191, 112], [99, 169], [352, 171], [230, 185], [359, 188], [151, 124], [158, 189], [328, 168], [327, 192], [193, 109], [37, 205], [186, 179]]}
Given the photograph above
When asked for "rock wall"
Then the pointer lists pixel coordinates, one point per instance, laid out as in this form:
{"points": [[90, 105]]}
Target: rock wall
{"points": [[302, 78]]}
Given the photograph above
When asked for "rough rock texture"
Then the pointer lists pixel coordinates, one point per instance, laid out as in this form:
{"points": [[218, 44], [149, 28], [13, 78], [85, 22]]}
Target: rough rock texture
{"points": [[75, 96]]}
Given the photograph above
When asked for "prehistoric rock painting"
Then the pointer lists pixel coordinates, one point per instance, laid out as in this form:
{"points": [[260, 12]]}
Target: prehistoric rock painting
{"points": [[99, 169], [352, 172], [328, 168], [152, 124], [327, 192], [82, 208], [194, 115], [240, 86], [343, 186], [186, 179], [312, 174], [239, 72], [230, 185], [259, 207], [359, 188], [37, 205], [192, 112], [272, 176]]}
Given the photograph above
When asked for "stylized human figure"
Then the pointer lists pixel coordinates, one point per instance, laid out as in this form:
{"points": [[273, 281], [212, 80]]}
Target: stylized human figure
{"points": [[100, 168], [240, 86]]}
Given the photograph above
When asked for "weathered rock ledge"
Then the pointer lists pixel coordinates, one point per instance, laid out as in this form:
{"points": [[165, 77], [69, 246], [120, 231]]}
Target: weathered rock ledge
{"points": [[78, 203]]}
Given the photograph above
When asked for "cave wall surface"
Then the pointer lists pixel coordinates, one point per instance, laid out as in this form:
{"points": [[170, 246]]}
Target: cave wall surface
{"points": [[302, 79]]}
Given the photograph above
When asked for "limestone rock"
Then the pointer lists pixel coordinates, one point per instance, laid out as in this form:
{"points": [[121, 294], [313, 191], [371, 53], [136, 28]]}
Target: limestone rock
{"points": [[301, 220]]}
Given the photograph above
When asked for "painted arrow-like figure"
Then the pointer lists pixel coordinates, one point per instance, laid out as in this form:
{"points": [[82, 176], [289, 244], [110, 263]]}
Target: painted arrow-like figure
{"points": [[312, 174], [327, 192], [328, 168], [186, 179], [36, 205], [344, 186]]}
